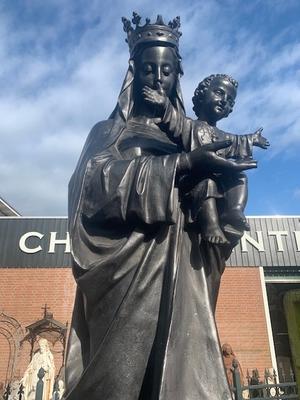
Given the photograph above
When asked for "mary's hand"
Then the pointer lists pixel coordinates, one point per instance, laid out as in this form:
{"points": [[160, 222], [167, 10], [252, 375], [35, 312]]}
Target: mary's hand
{"points": [[156, 98], [205, 159]]}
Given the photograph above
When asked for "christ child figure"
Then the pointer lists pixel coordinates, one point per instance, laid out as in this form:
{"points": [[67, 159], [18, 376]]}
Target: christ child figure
{"points": [[218, 200]]}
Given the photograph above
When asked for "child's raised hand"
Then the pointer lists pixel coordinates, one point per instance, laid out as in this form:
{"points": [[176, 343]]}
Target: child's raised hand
{"points": [[259, 140], [155, 97]]}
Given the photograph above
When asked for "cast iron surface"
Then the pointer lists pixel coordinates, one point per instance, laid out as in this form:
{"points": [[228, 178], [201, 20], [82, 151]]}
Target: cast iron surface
{"points": [[147, 272]]}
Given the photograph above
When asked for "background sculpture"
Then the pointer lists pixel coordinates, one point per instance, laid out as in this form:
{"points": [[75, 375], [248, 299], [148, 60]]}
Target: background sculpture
{"points": [[143, 322], [58, 394], [229, 357], [43, 358]]}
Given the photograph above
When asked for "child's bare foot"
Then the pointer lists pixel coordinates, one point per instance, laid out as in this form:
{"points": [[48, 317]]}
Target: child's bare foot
{"points": [[237, 219], [214, 234]]}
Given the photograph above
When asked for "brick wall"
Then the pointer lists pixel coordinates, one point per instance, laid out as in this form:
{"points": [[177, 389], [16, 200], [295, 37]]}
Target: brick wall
{"points": [[241, 318], [240, 312], [22, 294]]}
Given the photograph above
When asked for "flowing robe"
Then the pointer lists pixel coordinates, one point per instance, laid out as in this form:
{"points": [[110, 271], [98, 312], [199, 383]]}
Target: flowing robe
{"points": [[143, 324]]}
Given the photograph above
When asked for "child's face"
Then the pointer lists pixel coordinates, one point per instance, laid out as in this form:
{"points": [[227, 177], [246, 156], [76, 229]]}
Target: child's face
{"points": [[218, 99]]}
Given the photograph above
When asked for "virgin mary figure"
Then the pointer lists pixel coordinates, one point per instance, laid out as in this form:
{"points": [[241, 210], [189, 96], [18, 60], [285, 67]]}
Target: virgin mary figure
{"points": [[43, 358], [143, 323]]}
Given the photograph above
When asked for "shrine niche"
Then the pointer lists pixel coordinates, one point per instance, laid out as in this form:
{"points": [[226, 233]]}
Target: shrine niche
{"points": [[50, 329], [13, 332]]}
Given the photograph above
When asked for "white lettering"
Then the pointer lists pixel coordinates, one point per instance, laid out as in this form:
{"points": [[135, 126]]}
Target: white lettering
{"points": [[23, 246], [297, 238], [278, 238], [259, 244], [53, 242]]}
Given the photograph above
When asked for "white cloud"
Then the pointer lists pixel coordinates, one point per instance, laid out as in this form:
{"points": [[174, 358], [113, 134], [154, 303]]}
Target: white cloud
{"points": [[296, 193]]}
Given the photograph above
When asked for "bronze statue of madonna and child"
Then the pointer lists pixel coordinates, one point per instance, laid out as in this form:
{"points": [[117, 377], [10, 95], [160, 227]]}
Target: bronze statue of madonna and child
{"points": [[155, 207]]}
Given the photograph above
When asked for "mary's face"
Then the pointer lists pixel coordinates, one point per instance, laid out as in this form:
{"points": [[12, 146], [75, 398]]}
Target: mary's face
{"points": [[157, 67]]}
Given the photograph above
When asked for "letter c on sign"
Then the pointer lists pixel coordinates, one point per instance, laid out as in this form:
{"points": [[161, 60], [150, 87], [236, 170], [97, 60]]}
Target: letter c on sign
{"points": [[23, 246]]}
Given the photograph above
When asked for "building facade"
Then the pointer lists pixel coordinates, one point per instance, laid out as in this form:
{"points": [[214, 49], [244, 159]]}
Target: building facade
{"points": [[258, 310], [7, 210]]}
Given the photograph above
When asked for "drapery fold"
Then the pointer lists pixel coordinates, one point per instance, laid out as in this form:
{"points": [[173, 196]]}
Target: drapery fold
{"points": [[143, 324]]}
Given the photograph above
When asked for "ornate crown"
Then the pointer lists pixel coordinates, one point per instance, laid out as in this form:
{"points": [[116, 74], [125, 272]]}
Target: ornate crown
{"points": [[157, 32]]}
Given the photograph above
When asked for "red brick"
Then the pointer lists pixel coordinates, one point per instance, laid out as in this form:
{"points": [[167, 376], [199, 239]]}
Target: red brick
{"points": [[240, 311]]}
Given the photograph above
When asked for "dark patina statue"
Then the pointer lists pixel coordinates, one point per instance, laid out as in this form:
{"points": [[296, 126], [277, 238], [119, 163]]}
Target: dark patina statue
{"points": [[143, 324]]}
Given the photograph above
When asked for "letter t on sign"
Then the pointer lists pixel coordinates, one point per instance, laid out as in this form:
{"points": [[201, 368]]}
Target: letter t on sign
{"points": [[278, 237], [297, 238]]}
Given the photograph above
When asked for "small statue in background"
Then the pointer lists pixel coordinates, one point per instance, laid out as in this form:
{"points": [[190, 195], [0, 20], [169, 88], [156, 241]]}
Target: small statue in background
{"points": [[228, 357], [59, 390], [43, 358]]}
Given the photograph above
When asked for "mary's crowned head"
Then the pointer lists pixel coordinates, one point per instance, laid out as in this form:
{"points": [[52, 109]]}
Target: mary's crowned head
{"points": [[154, 62]]}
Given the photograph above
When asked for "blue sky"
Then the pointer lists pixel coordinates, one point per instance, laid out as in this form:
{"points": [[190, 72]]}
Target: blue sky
{"points": [[63, 62]]}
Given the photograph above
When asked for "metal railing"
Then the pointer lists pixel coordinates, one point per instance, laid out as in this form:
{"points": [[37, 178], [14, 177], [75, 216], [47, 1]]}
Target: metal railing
{"points": [[268, 389], [9, 391]]}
